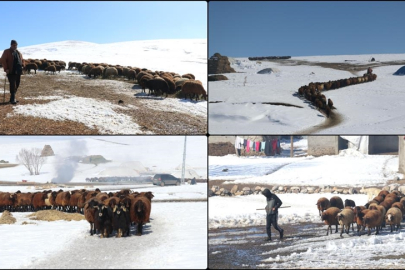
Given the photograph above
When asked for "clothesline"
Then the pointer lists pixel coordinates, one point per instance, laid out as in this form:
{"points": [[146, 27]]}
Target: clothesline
{"points": [[269, 147]]}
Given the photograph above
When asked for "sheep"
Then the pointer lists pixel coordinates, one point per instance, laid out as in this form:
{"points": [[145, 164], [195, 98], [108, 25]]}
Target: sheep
{"points": [[345, 218], [379, 199], [329, 216], [157, 85], [96, 71], [322, 204], [188, 75], [349, 203], [104, 217], [336, 201], [121, 220], [179, 83], [387, 203], [373, 219], [381, 209], [398, 205], [90, 209], [360, 218], [131, 74], [195, 87], [393, 217], [110, 72], [357, 209], [170, 83], [50, 69], [330, 103], [30, 66]]}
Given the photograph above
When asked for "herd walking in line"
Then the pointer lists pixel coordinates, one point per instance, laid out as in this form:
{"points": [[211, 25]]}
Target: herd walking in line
{"points": [[313, 91], [106, 212]]}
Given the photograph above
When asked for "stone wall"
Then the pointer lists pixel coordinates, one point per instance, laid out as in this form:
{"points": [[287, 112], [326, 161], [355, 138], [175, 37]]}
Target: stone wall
{"points": [[221, 149], [323, 145]]}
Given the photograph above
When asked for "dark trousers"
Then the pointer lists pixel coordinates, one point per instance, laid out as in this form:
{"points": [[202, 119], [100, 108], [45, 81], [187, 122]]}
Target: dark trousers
{"points": [[272, 220], [14, 80]]}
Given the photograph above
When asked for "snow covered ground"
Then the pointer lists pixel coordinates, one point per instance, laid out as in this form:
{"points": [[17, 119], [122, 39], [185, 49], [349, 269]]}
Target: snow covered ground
{"points": [[134, 155], [175, 238], [349, 168], [379, 100]]}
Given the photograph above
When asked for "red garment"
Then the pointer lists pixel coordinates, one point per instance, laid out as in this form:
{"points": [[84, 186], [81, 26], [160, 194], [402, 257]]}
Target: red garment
{"points": [[248, 146], [257, 146], [274, 146]]}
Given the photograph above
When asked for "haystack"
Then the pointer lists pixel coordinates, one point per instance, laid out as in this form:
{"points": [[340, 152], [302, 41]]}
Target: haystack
{"points": [[47, 151], [53, 215], [7, 218]]}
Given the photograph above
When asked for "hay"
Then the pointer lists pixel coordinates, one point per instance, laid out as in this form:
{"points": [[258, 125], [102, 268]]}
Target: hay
{"points": [[53, 215], [7, 218]]}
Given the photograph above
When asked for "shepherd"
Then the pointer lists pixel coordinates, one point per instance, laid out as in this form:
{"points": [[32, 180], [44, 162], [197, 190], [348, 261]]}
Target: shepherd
{"points": [[273, 203], [13, 64]]}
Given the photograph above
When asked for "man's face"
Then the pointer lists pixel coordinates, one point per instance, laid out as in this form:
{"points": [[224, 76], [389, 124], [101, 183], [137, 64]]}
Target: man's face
{"points": [[14, 47]]}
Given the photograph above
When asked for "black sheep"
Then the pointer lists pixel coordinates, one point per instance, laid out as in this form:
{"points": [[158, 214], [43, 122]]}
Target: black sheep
{"points": [[104, 217], [156, 85], [121, 220]]}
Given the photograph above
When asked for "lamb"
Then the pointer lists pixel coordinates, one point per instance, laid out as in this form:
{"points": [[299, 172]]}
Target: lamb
{"points": [[345, 218], [329, 216], [336, 201], [373, 219], [393, 217], [194, 87]]}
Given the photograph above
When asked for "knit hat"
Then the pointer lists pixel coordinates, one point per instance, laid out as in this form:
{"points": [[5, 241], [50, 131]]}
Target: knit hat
{"points": [[14, 42]]}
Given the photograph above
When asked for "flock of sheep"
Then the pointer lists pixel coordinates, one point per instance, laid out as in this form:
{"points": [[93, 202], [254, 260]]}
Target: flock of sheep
{"points": [[105, 212], [156, 81], [385, 209], [312, 92]]}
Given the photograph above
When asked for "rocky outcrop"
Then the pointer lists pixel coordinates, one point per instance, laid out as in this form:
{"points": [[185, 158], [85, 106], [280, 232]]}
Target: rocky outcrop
{"points": [[219, 64]]}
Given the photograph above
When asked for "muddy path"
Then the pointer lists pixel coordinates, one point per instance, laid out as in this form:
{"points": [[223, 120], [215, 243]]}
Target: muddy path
{"points": [[245, 248], [334, 119]]}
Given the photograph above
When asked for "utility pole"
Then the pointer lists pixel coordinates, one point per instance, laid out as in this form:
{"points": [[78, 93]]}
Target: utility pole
{"points": [[292, 146], [183, 169]]}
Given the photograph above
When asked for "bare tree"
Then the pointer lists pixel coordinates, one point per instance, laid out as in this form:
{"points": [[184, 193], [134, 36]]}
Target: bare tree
{"points": [[31, 159]]}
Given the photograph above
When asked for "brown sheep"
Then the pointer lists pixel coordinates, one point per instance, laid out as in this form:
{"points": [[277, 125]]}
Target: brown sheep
{"points": [[329, 217], [140, 212], [30, 66], [62, 200], [38, 200], [189, 76], [131, 75], [7, 201], [50, 69], [96, 71], [322, 204], [398, 205], [359, 219], [193, 87], [90, 209], [381, 209], [383, 193], [336, 201], [170, 82], [373, 219], [379, 199]]}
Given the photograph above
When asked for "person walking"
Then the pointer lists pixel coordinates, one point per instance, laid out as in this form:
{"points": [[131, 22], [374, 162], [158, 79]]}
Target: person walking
{"points": [[13, 63], [273, 203]]}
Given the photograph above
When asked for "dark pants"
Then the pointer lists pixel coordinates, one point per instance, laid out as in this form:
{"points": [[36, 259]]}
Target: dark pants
{"points": [[272, 220], [14, 80]]}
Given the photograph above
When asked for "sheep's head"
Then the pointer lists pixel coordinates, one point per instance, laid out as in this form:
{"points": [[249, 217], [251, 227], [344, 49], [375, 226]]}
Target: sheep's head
{"points": [[389, 217]]}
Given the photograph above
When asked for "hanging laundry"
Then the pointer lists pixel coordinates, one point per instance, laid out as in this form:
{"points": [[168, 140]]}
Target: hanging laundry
{"points": [[257, 146], [248, 146], [263, 146]]}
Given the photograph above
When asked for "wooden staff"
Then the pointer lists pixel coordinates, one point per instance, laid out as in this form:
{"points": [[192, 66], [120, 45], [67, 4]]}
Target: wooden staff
{"points": [[279, 207]]}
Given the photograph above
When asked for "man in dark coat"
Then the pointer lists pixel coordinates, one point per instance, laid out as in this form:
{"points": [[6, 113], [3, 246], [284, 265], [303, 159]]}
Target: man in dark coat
{"points": [[13, 64], [273, 203]]}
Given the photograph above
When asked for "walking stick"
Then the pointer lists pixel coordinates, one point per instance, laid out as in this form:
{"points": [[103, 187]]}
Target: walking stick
{"points": [[4, 96], [279, 207]]}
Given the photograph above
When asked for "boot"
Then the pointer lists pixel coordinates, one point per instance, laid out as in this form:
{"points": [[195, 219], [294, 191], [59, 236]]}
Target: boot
{"points": [[281, 234], [12, 99], [268, 239]]}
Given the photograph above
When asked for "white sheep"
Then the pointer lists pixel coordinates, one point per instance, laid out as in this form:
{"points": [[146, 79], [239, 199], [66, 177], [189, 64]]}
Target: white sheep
{"points": [[393, 217], [345, 218]]}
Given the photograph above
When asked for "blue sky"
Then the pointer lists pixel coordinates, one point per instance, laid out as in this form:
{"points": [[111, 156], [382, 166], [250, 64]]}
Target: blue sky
{"points": [[242, 29], [37, 22]]}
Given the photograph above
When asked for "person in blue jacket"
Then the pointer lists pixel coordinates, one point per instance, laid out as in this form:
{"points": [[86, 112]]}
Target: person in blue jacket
{"points": [[273, 203]]}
